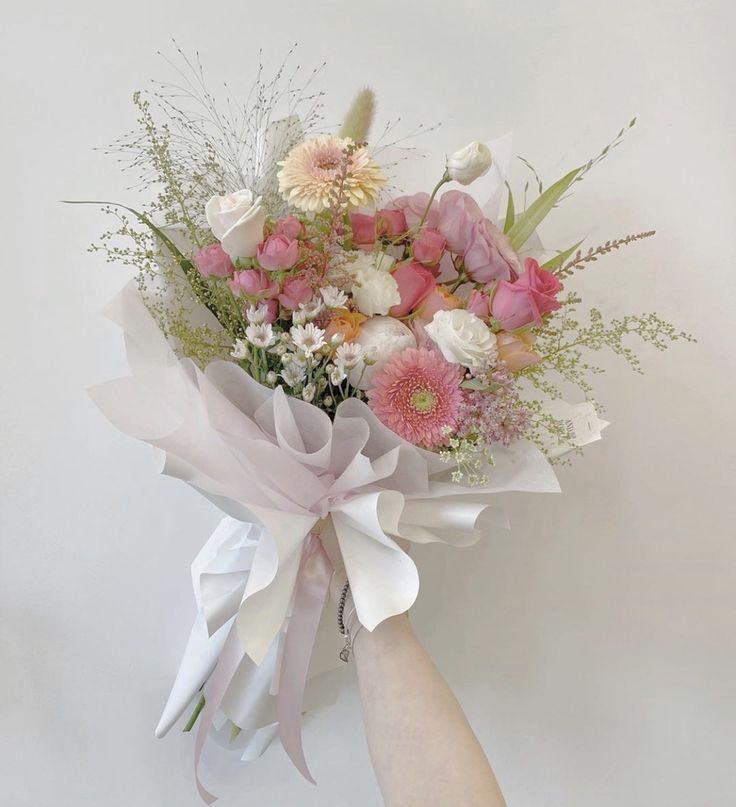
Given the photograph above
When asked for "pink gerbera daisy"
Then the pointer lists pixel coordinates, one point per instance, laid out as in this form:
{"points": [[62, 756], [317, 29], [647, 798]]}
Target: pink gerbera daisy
{"points": [[417, 395]]}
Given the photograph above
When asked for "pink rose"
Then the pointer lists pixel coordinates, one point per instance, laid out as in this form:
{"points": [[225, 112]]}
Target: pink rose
{"points": [[213, 261], [253, 283], [516, 350], [488, 255], [296, 290], [527, 299], [479, 304], [278, 252], [439, 299], [413, 208], [290, 227], [364, 229], [415, 282], [391, 222], [458, 213], [429, 246]]}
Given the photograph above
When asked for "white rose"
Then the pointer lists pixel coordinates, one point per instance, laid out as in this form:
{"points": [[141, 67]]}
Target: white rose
{"points": [[463, 338], [237, 221], [380, 337], [374, 290], [469, 163]]}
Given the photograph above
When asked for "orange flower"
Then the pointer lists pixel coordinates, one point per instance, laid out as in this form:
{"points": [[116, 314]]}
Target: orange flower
{"points": [[515, 349], [346, 323]]}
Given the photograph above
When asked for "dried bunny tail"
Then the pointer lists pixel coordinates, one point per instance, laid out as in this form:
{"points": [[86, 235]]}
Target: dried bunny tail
{"points": [[357, 123]]}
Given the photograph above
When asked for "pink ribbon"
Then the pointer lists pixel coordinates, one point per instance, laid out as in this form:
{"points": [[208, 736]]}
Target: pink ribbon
{"points": [[313, 582]]}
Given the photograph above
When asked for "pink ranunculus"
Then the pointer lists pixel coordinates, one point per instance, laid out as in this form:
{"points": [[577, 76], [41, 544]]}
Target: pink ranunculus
{"points": [[364, 229], [213, 261], [272, 310], [415, 282], [458, 212], [278, 252], [479, 304], [489, 255], [391, 222], [527, 299], [429, 246], [413, 208], [439, 299], [296, 290], [254, 283], [290, 227]]}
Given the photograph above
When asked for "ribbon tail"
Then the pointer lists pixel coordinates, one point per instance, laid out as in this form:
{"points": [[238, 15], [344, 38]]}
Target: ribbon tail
{"points": [[310, 594]]}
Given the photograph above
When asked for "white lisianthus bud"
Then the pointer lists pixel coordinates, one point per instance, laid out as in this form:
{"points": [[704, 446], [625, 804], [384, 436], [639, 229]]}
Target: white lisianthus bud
{"points": [[237, 221], [469, 163], [463, 338]]}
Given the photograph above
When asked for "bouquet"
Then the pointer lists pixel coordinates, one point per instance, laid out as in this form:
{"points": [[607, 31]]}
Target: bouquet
{"points": [[337, 367]]}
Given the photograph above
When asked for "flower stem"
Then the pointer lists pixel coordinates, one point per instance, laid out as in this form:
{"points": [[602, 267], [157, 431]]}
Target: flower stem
{"points": [[195, 714], [445, 179]]}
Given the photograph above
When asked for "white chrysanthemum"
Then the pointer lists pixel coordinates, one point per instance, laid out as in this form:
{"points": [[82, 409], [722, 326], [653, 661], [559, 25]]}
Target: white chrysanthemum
{"points": [[310, 174], [240, 349], [256, 315], [308, 338], [261, 336], [311, 309], [337, 374], [309, 392], [333, 297], [293, 374], [349, 354]]}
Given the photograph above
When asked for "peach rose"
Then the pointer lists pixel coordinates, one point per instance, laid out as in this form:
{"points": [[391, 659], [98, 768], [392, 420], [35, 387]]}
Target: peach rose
{"points": [[515, 349], [346, 323]]}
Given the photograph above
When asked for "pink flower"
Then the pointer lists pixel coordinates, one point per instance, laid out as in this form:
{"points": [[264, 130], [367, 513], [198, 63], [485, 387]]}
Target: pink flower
{"points": [[489, 255], [296, 290], [516, 350], [527, 299], [253, 283], [479, 304], [391, 222], [413, 208], [415, 282], [213, 261], [364, 229], [272, 310], [278, 252], [439, 299], [458, 212], [290, 227], [417, 395], [429, 246]]}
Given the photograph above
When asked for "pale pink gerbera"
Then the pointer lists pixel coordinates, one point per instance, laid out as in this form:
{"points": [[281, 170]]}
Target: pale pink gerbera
{"points": [[311, 172], [417, 395]]}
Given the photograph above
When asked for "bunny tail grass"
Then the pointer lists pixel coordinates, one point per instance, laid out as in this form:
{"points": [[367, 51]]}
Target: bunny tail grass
{"points": [[358, 121]]}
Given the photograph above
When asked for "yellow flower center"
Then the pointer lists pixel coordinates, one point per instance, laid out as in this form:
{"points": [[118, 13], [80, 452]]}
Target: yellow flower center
{"points": [[424, 400]]}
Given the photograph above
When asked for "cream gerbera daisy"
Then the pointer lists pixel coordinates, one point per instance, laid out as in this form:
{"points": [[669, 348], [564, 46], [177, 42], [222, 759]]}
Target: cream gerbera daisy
{"points": [[309, 175]]}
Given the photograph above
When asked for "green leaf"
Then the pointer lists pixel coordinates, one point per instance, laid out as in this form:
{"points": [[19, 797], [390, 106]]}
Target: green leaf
{"points": [[561, 257], [526, 223], [510, 215]]}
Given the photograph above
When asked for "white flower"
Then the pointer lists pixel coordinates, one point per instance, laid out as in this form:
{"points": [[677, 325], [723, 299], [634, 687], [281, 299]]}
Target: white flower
{"points": [[298, 317], [308, 338], [349, 354], [293, 374], [271, 378], [237, 221], [240, 349], [337, 374], [463, 338], [374, 288], [258, 315], [260, 335], [380, 338], [333, 297], [311, 309], [309, 392], [469, 163]]}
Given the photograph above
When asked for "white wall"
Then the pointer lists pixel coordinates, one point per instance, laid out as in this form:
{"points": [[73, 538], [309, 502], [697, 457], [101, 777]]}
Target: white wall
{"points": [[594, 647]]}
